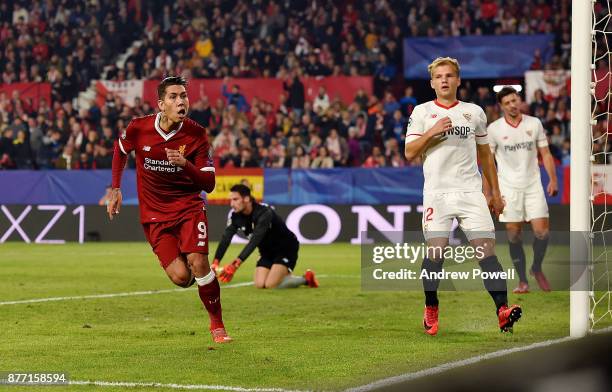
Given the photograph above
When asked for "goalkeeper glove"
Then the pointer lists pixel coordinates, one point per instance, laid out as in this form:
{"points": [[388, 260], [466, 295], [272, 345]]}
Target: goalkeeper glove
{"points": [[229, 270], [215, 266]]}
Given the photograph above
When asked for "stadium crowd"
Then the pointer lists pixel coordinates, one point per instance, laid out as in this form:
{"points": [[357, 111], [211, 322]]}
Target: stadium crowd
{"points": [[67, 43], [368, 132]]}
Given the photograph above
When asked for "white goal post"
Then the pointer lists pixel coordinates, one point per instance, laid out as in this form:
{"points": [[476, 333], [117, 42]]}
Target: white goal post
{"points": [[580, 176]]}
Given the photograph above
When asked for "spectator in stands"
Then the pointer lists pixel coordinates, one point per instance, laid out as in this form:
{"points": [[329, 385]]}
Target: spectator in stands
{"points": [[300, 160], [355, 154], [50, 150], [68, 159], [295, 91], [278, 161], [565, 153], [321, 102], [390, 104], [6, 149], [322, 160], [235, 97], [338, 148], [22, 152], [246, 159], [383, 74], [376, 159], [201, 112], [361, 99], [556, 136], [408, 102], [103, 158]]}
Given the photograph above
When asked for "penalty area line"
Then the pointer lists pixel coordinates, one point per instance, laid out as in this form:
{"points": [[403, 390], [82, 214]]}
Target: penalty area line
{"points": [[395, 380], [176, 386]]}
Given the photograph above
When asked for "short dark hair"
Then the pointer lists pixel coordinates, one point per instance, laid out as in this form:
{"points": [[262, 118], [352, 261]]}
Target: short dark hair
{"points": [[241, 189], [504, 92], [169, 81]]}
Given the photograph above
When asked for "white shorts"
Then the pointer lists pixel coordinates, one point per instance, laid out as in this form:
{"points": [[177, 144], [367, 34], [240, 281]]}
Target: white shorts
{"points": [[523, 205], [470, 209]]}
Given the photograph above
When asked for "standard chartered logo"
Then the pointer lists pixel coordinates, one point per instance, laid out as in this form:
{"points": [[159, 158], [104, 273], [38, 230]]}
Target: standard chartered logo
{"points": [[158, 165]]}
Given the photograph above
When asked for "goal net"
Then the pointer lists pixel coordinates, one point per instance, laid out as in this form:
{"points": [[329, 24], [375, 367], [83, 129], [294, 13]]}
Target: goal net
{"points": [[599, 293]]}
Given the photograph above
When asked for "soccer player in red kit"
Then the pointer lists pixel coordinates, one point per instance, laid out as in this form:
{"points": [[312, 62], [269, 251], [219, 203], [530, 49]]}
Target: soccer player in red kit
{"points": [[173, 167]]}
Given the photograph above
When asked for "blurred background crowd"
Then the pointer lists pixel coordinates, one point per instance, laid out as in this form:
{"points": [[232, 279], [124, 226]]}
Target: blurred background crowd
{"points": [[69, 43]]}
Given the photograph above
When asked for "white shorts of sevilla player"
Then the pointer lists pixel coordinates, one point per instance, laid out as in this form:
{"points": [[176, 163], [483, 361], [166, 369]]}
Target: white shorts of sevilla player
{"points": [[470, 209], [523, 205]]}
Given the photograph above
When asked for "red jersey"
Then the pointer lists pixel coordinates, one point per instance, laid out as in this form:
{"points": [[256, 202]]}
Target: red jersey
{"points": [[166, 192]]}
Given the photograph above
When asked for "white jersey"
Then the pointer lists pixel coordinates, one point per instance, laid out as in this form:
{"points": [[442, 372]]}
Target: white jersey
{"points": [[451, 165], [516, 152]]}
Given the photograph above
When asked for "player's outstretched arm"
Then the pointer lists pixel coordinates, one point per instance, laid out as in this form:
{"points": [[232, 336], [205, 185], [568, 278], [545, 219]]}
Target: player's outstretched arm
{"points": [[549, 164], [417, 147], [496, 203], [115, 198], [264, 222], [114, 202], [226, 239]]}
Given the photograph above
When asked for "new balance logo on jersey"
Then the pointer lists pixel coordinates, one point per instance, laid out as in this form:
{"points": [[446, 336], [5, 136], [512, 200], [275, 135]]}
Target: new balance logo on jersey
{"points": [[146, 148], [529, 133], [519, 146], [434, 115]]}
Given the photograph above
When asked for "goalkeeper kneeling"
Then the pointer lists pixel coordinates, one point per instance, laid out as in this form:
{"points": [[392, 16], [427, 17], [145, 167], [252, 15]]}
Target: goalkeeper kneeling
{"points": [[278, 246]]}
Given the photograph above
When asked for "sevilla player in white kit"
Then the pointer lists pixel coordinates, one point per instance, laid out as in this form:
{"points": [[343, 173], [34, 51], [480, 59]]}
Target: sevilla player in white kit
{"points": [[516, 139], [451, 136]]}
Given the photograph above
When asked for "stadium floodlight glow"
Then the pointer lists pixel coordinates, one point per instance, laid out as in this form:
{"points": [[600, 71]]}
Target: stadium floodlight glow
{"points": [[497, 88]]}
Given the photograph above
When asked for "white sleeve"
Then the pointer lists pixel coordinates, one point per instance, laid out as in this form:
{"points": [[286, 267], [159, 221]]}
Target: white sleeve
{"points": [[541, 139], [481, 127], [415, 130], [491, 137]]}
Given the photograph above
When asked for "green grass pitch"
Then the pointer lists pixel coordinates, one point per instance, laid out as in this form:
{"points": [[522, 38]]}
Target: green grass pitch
{"points": [[329, 338]]}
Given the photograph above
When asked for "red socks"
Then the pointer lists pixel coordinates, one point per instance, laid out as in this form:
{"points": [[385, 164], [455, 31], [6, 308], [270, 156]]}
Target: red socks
{"points": [[210, 294]]}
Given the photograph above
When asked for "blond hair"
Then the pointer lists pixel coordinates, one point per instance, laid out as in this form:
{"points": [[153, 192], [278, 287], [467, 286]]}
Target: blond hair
{"points": [[443, 61]]}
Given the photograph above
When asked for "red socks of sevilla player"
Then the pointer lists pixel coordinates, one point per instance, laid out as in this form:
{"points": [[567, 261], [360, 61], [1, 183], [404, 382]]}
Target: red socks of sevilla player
{"points": [[210, 294]]}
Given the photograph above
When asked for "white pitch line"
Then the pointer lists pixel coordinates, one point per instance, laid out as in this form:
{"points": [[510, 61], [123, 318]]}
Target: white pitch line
{"points": [[137, 293], [339, 276], [177, 386], [386, 382], [111, 295]]}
